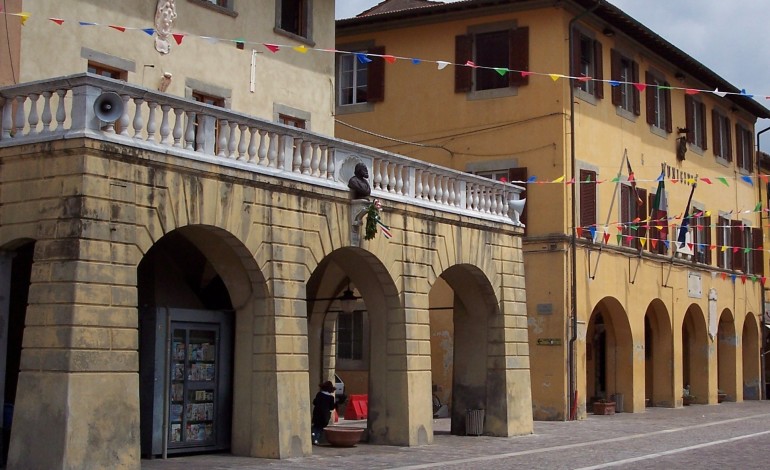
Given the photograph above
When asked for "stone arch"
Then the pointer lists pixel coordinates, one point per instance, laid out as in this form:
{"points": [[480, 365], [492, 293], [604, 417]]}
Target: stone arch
{"points": [[727, 348], [750, 341], [658, 355], [220, 274], [609, 353], [696, 348]]}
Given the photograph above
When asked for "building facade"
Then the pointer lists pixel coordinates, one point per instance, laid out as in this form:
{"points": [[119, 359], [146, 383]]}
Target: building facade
{"points": [[622, 139], [172, 267]]}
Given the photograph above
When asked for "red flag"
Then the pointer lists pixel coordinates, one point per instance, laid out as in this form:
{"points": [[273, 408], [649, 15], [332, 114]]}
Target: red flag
{"points": [[632, 180]]}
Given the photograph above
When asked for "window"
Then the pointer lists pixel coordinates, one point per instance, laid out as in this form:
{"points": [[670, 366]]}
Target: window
{"points": [[106, 71], [658, 235], [350, 334], [625, 72], [361, 80], [743, 148], [293, 17], [587, 201], [754, 259], [587, 62], [658, 102], [724, 243], [695, 117], [292, 121], [723, 144], [220, 3], [201, 121], [507, 48], [633, 215], [510, 175]]}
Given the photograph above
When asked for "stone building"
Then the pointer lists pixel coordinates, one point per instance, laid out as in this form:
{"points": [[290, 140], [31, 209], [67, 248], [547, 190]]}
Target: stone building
{"points": [[597, 115], [175, 249]]}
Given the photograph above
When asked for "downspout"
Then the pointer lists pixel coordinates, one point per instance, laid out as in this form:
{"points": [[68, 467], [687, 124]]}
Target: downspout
{"points": [[572, 360], [763, 351]]}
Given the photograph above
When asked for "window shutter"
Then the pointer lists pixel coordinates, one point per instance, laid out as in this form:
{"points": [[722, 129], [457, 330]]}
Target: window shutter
{"points": [[715, 131], [729, 135], [615, 74], [688, 118], [575, 56], [739, 156], [704, 143], [463, 53], [520, 174], [649, 99], [757, 258], [598, 70], [749, 150], [721, 223], [587, 199], [736, 233], [635, 74], [669, 118], [518, 51], [375, 85]]}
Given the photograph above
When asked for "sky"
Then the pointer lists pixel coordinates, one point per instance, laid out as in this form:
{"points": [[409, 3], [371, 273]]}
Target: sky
{"points": [[729, 37]]}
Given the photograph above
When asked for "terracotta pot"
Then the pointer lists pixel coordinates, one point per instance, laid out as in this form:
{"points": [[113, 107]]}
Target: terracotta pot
{"points": [[343, 437], [607, 408]]}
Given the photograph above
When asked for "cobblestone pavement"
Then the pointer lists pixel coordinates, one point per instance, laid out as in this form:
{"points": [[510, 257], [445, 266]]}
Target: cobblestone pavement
{"points": [[724, 436]]}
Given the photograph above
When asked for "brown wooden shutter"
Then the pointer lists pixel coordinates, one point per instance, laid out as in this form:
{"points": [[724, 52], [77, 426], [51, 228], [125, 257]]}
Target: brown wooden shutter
{"points": [[669, 117], [649, 99], [635, 74], [575, 56], [757, 258], [518, 52], [688, 118], [520, 174], [736, 233], [729, 135], [715, 131], [615, 66], [587, 200], [704, 144], [750, 146], [375, 85], [463, 53], [739, 138], [721, 223], [707, 238], [598, 70]]}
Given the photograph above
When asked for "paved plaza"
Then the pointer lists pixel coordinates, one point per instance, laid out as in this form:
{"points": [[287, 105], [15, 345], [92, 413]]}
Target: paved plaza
{"points": [[728, 435]]}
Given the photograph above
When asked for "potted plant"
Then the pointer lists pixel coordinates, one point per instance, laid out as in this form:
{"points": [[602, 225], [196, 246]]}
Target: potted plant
{"points": [[687, 397], [604, 407]]}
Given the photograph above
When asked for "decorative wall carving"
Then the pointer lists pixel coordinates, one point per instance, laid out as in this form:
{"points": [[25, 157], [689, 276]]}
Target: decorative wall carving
{"points": [[165, 15]]}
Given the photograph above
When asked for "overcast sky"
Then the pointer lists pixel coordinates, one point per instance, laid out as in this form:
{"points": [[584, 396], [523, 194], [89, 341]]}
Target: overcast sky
{"points": [[729, 37]]}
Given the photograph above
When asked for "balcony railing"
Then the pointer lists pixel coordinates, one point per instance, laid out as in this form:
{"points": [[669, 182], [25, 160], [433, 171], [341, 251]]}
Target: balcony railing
{"points": [[63, 108]]}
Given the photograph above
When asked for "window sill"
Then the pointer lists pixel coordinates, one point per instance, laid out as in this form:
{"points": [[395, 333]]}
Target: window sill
{"points": [[296, 37], [225, 11], [492, 94], [695, 149], [585, 96], [658, 131], [340, 110], [625, 114], [722, 161]]}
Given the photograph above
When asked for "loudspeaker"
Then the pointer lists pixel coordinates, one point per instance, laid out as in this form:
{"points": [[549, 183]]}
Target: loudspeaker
{"points": [[517, 206], [108, 107]]}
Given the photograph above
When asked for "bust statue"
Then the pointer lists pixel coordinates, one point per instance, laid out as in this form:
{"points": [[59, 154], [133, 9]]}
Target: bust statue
{"points": [[358, 184]]}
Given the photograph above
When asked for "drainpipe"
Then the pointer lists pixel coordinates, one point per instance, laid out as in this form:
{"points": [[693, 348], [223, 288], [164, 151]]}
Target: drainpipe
{"points": [[572, 363], [763, 353]]}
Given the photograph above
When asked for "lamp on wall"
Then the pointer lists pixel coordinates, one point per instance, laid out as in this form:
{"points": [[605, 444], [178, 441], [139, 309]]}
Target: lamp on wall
{"points": [[681, 143], [347, 301]]}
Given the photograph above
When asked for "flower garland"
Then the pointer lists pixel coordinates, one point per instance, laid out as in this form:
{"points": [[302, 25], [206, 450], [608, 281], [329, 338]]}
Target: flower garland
{"points": [[372, 219]]}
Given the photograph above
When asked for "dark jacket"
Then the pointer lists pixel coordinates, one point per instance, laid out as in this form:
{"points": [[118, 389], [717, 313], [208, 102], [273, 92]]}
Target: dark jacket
{"points": [[323, 404]]}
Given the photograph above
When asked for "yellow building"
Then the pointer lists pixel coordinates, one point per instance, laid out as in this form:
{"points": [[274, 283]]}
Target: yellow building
{"points": [[599, 115]]}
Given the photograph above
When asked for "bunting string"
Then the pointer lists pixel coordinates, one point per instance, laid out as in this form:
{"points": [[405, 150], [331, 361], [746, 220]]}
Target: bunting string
{"points": [[365, 57]]}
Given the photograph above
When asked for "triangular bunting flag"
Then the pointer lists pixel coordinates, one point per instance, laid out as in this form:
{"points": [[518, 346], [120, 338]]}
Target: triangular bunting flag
{"points": [[554, 76], [122, 29], [302, 49], [579, 231], [640, 86], [747, 179], [501, 71], [723, 180], [85, 23], [706, 180], [272, 48], [362, 58], [178, 38], [58, 21], [389, 59], [149, 31], [442, 64], [559, 179], [24, 17]]}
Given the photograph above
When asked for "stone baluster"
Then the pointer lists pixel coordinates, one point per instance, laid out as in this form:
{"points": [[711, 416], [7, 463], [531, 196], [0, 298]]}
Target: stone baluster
{"points": [[282, 142], [384, 169], [296, 161], [233, 142], [33, 117], [7, 119], [152, 126], [314, 163], [177, 132], [493, 200], [323, 155], [262, 151], [439, 188], [477, 197], [272, 154], [399, 179], [469, 188], [138, 121], [506, 206], [420, 188], [61, 111], [377, 170], [199, 127], [221, 138], [331, 166], [242, 142], [19, 122], [46, 117], [189, 133], [453, 192], [307, 154], [165, 129], [124, 118], [252, 144]]}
